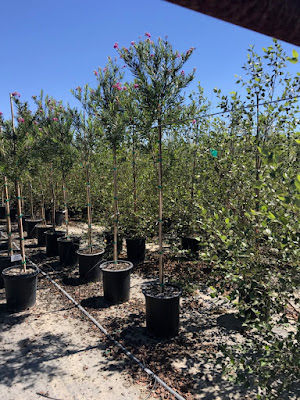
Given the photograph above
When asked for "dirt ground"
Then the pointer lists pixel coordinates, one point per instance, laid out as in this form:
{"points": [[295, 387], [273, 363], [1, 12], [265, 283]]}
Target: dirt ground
{"points": [[55, 351]]}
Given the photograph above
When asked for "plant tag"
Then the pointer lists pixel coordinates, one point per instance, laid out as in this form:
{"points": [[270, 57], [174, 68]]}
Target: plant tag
{"points": [[214, 152], [16, 257]]}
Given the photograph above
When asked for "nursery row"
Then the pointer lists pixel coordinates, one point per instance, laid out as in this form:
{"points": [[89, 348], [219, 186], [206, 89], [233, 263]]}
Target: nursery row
{"points": [[145, 160]]}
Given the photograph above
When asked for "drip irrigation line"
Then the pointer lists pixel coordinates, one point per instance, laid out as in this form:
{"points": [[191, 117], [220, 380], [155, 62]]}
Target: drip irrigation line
{"points": [[110, 337]]}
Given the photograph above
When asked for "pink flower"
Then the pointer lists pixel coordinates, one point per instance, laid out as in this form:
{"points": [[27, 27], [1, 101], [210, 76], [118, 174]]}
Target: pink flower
{"points": [[40, 129], [1, 113], [49, 101], [194, 121], [116, 46], [95, 73], [136, 86], [60, 106], [104, 69], [148, 34], [182, 73], [178, 55], [16, 94], [35, 123], [133, 43], [78, 88], [21, 120], [92, 91], [124, 88], [151, 55], [54, 119]]}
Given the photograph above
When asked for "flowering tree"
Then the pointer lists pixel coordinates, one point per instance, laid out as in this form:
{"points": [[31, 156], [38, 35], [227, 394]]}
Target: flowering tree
{"points": [[107, 103], [160, 78]]}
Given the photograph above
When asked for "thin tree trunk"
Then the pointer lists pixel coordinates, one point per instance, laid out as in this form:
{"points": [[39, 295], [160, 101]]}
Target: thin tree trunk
{"points": [[134, 172], [22, 200], [160, 206], [17, 187], [43, 206], [8, 220], [194, 165], [53, 197], [66, 206], [20, 224], [31, 201], [257, 167], [89, 208], [115, 208], [3, 202]]}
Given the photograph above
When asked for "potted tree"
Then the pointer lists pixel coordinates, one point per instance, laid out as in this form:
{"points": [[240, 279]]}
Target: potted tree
{"points": [[20, 280], [87, 134], [107, 102], [158, 72]]}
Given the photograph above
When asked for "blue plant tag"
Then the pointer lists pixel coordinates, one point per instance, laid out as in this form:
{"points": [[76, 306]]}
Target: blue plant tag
{"points": [[214, 152]]}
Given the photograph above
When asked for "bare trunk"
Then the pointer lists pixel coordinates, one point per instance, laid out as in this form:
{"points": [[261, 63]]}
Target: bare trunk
{"points": [[43, 206], [134, 173], [160, 206], [31, 201], [8, 221], [89, 208], [53, 197], [66, 206], [257, 167], [115, 208], [20, 224]]}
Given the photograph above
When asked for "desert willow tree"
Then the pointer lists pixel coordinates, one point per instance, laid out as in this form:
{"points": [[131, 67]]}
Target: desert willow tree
{"points": [[107, 103], [16, 154], [55, 144], [158, 72], [88, 133]]}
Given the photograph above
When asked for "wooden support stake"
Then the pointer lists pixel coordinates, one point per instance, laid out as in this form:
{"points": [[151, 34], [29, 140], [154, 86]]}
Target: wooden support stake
{"points": [[115, 209], [31, 201], [53, 196], [160, 203], [89, 209]]}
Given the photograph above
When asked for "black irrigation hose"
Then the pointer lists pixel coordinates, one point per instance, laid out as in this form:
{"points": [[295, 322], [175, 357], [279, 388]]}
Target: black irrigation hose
{"points": [[115, 342]]}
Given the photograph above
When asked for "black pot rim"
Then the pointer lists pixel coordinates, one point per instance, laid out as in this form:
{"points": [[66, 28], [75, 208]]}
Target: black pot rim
{"points": [[135, 238], [43, 226], [149, 284], [50, 232], [102, 266], [99, 253], [70, 239], [33, 220], [23, 276]]}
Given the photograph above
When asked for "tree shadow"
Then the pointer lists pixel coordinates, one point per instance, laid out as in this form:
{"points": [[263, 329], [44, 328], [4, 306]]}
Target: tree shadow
{"points": [[95, 302], [230, 322]]}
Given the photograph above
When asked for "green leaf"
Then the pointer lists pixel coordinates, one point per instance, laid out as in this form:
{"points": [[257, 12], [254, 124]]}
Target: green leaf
{"points": [[295, 54]]}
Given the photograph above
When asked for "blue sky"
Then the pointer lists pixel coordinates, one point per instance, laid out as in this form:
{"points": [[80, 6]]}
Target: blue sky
{"points": [[56, 45]]}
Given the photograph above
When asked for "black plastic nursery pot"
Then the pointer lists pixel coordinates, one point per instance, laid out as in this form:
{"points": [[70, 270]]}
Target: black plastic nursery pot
{"points": [[190, 243], [162, 310], [3, 244], [20, 287], [5, 262], [67, 250], [51, 242], [13, 214], [89, 264], [116, 282], [59, 218], [48, 215], [30, 225], [24, 218], [136, 249], [2, 212], [40, 234]]}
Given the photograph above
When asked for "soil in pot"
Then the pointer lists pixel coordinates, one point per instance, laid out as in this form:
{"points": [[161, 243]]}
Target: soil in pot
{"points": [[190, 243], [30, 224], [116, 281], [162, 310], [136, 249], [67, 250], [51, 242], [40, 233], [20, 287], [89, 264]]}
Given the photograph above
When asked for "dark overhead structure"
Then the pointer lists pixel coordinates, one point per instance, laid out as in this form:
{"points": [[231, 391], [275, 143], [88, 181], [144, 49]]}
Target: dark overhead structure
{"points": [[276, 18]]}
